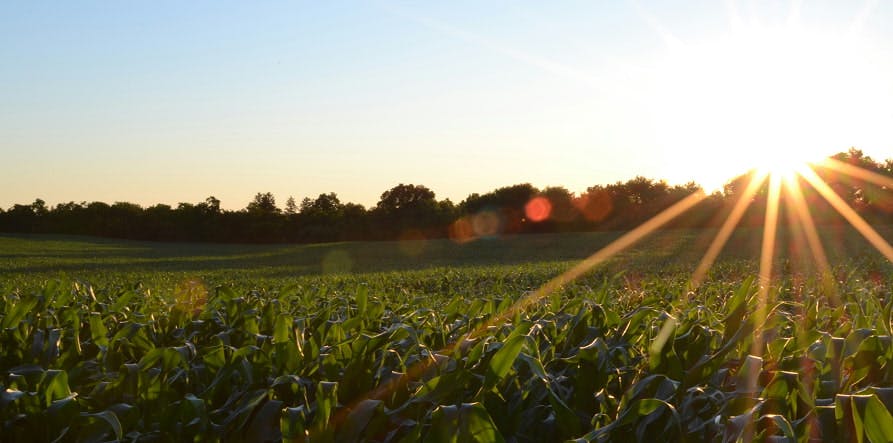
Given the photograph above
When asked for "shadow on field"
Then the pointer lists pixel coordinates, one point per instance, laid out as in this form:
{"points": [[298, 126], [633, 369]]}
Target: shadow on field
{"points": [[27, 254]]}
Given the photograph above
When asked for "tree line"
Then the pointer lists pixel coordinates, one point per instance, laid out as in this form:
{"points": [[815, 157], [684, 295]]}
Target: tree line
{"points": [[410, 211]]}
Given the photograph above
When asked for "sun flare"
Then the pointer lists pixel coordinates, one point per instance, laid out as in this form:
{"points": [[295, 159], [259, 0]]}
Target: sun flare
{"points": [[763, 97], [784, 165]]}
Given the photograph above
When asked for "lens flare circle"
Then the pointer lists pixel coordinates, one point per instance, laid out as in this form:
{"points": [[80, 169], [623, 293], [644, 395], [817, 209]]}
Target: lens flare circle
{"points": [[538, 209]]}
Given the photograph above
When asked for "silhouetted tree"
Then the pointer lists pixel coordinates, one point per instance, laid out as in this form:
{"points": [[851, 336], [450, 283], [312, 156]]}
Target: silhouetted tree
{"points": [[291, 207], [39, 208], [561, 201], [211, 205], [324, 205], [408, 207], [509, 202], [320, 218], [404, 197], [263, 204], [353, 223]]}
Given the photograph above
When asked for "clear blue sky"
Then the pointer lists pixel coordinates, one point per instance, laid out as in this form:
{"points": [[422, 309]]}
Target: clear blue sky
{"points": [[163, 102]]}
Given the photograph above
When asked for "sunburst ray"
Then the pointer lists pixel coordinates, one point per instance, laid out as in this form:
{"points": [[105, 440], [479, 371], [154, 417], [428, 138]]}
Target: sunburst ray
{"points": [[726, 230], [767, 252], [625, 241], [622, 243], [856, 172], [804, 217], [848, 213]]}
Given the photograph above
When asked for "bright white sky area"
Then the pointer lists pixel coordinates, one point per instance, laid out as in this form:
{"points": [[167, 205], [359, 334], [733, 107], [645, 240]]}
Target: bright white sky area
{"points": [[166, 102]]}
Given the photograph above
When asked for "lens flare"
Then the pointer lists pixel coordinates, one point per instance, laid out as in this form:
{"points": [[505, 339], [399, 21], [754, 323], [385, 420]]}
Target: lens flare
{"points": [[190, 296], [337, 262], [412, 243], [781, 184], [487, 223], [462, 231], [595, 205], [538, 209]]}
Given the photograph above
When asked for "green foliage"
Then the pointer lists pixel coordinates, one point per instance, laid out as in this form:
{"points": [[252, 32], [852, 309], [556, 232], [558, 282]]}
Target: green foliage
{"points": [[439, 355]]}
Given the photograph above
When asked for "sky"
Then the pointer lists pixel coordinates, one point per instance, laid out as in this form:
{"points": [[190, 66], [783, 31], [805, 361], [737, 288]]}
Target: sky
{"points": [[167, 102]]}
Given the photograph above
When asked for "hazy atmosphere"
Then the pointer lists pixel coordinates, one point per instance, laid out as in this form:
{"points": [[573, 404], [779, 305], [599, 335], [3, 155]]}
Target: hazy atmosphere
{"points": [[165, 102], [484, 222]]}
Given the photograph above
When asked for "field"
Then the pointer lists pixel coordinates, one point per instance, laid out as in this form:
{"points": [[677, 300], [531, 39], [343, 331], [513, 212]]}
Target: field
{"points": [[437, 341]]}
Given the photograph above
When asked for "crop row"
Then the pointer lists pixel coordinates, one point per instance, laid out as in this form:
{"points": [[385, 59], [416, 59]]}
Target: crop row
{"points": [[607, 359]]}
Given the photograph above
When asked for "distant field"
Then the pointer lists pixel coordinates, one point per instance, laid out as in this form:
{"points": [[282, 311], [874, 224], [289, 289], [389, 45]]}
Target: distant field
{"points": [[48, 255], [119, 340]]}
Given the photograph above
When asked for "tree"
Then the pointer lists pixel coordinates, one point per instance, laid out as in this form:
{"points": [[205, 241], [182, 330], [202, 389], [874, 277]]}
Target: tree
{"points": [[596, 204], [405, 197], [562, 204], [407, 207], [39, 207], [508, 198], [509, 202], [211, 205], [858, 193], [353, 222], [263, 204], [642, 190], [324, 205], [291, 208], [19, 218]]}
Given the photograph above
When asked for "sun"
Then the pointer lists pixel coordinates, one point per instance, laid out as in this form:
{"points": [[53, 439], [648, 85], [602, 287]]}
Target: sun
{"points": [[762, 97], [785, 165]]}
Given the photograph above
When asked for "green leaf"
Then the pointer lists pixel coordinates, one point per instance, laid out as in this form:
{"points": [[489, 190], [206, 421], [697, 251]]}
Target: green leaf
{"points": [[877, 421], [503, 360], [854, 404], [123, 299], [282, 329], [567, 420], [59, 416], [74, 323], [736, 308], [476, 425], [361, 299], [53, 386], [535, 366], [18, 312], [326, 401], [264, 421], [468, 422], [782, 424], [651, 411], [358, 419], [661, 341], [740, 427], [748, 374], [98, 330], [193, 413], [112, 420], [293, 425], [444, 425]]}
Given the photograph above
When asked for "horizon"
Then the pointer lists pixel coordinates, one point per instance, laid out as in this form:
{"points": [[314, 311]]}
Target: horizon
{"points": [[169, 103], [281, 202]]}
